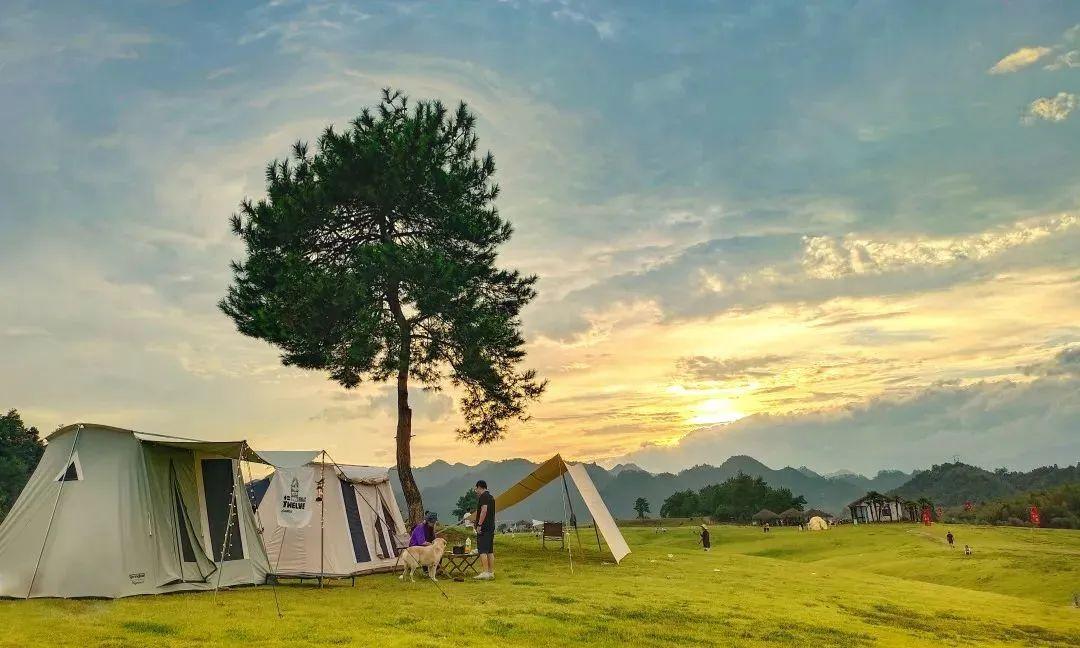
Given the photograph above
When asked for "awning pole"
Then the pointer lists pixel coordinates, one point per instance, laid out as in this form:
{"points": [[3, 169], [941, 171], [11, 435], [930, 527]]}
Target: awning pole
{"points": [[566, 522], [228, 533], [52, 515], [322, 520], [573, 518]]}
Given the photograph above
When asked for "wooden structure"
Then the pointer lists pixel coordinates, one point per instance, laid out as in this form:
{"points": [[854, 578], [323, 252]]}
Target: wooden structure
{"points": [[881, 508]]}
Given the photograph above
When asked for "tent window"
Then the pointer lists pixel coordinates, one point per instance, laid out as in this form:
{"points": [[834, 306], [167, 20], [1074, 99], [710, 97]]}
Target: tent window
{"points": [[356, 525], [219, 487], [73, 472]]}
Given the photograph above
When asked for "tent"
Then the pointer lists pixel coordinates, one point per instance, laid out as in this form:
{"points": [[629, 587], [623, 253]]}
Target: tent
{"points": [[817, 524], [110, 513], [554, 468], [356, 528], [765, 515]]}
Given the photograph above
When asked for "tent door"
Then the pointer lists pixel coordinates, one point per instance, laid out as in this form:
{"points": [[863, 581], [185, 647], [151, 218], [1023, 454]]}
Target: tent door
{"points": [[195, 566], [219, 497], [356, 524]]}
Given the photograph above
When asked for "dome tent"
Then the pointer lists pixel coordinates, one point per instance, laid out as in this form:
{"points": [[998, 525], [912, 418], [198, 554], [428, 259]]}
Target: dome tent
{"points": [[816, 523]]}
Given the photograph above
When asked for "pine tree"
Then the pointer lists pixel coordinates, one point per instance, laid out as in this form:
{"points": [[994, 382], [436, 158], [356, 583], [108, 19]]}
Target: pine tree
{"points": [[374, 258]]}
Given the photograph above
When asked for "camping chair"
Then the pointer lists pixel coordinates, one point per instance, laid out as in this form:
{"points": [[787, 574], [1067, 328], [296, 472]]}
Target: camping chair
{"points": [[553, 531]]}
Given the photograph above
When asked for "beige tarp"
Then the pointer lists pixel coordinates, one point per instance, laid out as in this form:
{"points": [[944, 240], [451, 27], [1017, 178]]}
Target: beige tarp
{"points": [[548, 472]]}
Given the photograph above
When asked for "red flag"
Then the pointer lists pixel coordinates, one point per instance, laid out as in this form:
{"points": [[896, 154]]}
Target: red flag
{"points": [[926, 516], [1035, 515]]}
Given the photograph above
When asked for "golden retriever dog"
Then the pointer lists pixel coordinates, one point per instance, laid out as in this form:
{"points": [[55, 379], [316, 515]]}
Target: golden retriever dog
{"points": [[415, 558]]}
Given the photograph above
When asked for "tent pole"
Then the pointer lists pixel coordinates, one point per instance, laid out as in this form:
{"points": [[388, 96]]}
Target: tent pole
{"points": [[322, 519], [225, 542], [273, 581], [569, 549], [52, 515], [573, 518]]}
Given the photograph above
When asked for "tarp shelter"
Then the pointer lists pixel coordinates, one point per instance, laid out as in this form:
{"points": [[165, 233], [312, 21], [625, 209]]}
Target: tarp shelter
{"points": [[110, 512], [356, 528], [817, 524], [549, 471]]}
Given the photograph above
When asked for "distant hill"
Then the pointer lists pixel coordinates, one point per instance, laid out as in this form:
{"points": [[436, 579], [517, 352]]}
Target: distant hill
{"points": [[951, 484], [442, 484]]}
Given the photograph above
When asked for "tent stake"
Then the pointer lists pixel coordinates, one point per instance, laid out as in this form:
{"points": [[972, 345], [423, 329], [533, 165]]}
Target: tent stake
{"points": [[52, 515]]}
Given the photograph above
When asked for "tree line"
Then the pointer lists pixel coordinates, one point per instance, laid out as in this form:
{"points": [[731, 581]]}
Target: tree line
{"points": [[735, 500], [1059, 508], [20, 450]]}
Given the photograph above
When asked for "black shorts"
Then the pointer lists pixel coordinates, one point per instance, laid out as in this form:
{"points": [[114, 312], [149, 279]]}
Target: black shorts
{"points": [[485, 542]]}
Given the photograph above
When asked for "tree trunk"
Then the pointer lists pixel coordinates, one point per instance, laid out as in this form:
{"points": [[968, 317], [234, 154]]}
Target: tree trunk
{"points": [[413, 500]]}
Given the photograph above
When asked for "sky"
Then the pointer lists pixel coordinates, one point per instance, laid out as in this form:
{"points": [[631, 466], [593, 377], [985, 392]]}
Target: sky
{"points": [[837, 234]]}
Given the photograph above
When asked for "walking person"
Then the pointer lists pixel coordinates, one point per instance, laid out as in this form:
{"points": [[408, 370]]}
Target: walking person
{"points": [[705, 541], [950, 538], [485, 530]]}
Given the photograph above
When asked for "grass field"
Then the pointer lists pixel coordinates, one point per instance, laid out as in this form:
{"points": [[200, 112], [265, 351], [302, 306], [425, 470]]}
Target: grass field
{"points": [[865, 586]]}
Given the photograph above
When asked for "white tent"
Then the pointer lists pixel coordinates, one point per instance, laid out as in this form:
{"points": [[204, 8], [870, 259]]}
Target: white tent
{"points": [[355, 528], [111, 513], [549, 471], [816, 523]]}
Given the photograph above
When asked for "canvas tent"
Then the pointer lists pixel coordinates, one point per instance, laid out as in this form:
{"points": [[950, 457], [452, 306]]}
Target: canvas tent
{"points": [[549, 471], [817, 524], [110, 513], [356, 528]]}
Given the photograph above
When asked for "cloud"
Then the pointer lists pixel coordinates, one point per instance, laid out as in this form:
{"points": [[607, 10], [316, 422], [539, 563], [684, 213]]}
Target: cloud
{"points": [[426, 405], [830, 257], [1070, 59], [1051, 109], [1019, 60], [1065, 363], [720, 369], [749, 272], [986, 423], [605, 29]]}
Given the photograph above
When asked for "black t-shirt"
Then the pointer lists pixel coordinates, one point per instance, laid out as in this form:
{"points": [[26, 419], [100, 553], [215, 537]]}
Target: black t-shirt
{"points": [[489, 520]]}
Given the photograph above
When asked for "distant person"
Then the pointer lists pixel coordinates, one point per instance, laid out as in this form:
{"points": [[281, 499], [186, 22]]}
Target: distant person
{"points": [[423, 534], [765, 529], [950, 538], [967, 550], [705, 542], [485, 530]]}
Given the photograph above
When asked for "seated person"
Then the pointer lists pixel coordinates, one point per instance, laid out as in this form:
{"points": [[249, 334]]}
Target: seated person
{"points": [[423, 534]]}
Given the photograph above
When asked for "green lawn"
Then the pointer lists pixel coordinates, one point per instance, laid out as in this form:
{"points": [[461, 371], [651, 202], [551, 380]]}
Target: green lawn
{"points": [[864, 586]]}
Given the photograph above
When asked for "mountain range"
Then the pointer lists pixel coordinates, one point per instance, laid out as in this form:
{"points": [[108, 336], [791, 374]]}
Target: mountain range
{"points": [[442, 483]]}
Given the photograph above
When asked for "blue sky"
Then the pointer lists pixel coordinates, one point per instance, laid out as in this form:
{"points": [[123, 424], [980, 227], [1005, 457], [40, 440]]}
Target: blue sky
{"points": [[795, 230]]}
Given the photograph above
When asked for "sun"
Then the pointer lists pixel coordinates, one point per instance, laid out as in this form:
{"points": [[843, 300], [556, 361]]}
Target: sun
{"points": [[715, 410]]}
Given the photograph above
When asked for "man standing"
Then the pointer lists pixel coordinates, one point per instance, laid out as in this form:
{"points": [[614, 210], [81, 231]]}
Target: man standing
{"points": [[485, 530]]}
